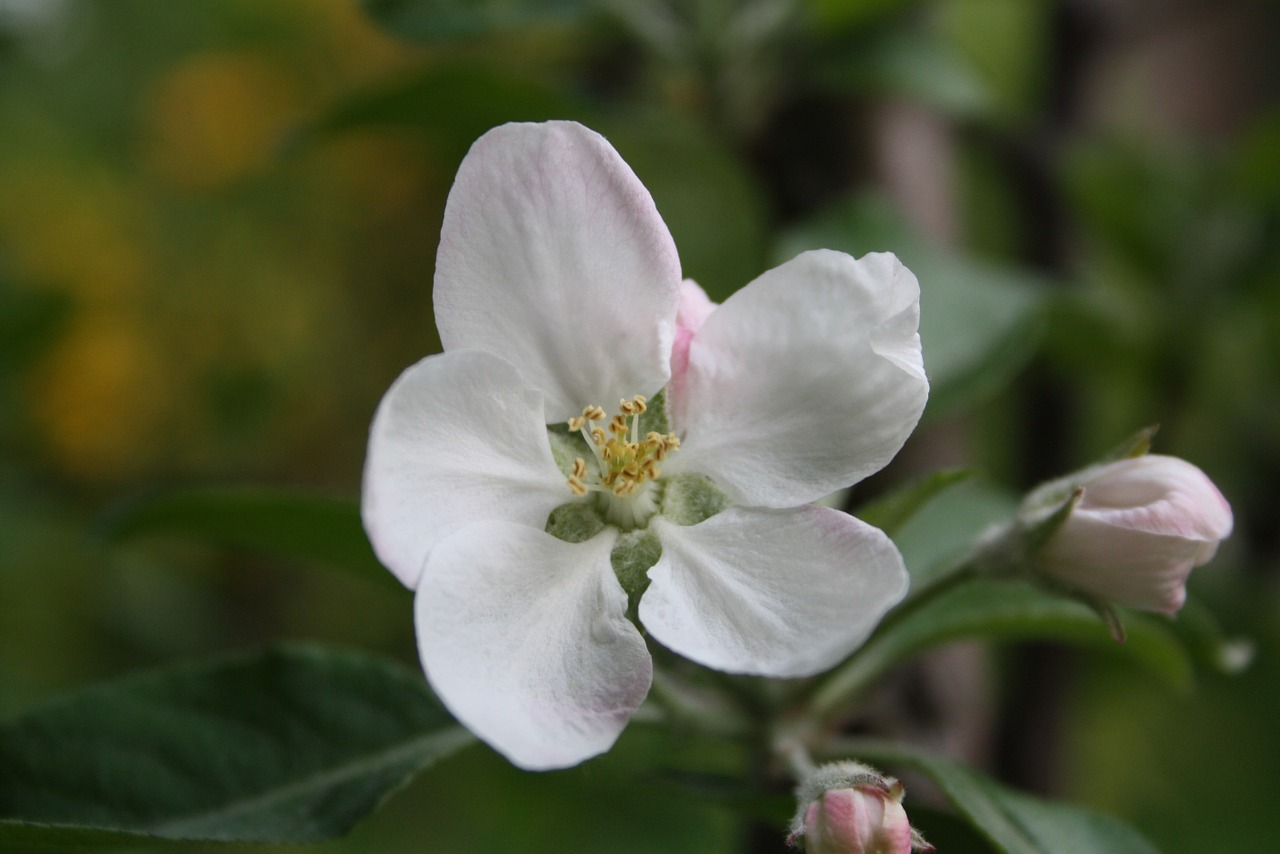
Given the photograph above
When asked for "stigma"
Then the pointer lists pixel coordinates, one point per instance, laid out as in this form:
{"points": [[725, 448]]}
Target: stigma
{"points": [[625, 465]]}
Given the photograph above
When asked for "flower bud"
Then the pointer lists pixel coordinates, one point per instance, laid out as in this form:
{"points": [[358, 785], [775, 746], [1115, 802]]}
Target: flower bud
{"points": [[849, 808], [1137, 529]]}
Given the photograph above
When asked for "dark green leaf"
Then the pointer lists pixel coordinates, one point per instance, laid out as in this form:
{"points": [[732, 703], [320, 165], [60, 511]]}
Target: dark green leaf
{"points": [[443, 21], [892, 511], [978, 321], [292, 525], [295, 744], [1014, 822]]}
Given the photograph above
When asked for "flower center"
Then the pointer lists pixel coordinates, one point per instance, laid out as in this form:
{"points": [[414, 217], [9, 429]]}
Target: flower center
{"points": [[625, 464]]}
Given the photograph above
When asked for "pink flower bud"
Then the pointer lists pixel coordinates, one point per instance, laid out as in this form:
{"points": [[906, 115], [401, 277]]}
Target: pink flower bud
{"points": [[849, 808], [1141, 525], [863, 820]]}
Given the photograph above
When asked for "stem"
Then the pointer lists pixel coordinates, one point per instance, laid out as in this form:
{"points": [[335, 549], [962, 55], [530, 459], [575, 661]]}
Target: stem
{"points": [[870, 662], [790, 749]]}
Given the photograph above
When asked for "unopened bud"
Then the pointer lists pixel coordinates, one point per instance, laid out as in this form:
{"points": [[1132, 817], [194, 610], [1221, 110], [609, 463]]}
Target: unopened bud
{"points": [[850, 808], [1136, 530]]}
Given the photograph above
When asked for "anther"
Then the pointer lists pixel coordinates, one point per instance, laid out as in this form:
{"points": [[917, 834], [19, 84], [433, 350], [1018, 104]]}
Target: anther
{"points": [[576, 423]]}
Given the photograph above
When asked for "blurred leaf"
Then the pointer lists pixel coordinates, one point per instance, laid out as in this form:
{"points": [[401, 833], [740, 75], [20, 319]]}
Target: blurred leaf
{"points": [[436, 22], [978, 321], [292, 525], [842, 15], [905, 62], [1014, 822], [1007, 44], [454, 103], [1204, 639], [1255, 169], [947, 832], [892, 511], [731, 791], [1013, 611], [703, 192], [294, 744], [942, 531], [29, 323]]}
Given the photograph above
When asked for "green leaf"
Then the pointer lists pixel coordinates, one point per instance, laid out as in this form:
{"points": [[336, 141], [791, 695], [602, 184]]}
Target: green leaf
{"points": [[1000, 610], [435, 22], [287, 524], [979, 322], [890, 512], [1015, 823], [941, 533], [294, 744]]}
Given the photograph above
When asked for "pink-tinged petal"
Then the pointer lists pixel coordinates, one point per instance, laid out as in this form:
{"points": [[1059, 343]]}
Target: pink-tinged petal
{"points": [[695, 307], [807, 380], [1140, 527], [858, 820], [553, 256], [457, 438], [771, 592], [525, 639]]}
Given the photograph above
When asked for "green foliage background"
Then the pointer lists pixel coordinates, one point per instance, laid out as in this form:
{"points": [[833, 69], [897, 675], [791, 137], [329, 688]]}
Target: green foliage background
{"points": [[218, 220]]}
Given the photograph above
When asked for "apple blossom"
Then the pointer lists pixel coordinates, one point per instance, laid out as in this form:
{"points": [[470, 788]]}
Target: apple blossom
{"points": [[535, 520], [1137, 529]]}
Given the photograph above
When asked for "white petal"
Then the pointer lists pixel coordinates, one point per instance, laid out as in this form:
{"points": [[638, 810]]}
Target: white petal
{"points": [[807, 380], [525, 639], [553, 256], [771, 592], [457, 438]]}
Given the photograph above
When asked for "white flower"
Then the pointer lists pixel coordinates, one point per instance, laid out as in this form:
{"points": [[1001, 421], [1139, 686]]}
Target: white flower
{"points": [[558, 292], [1139, 528]]}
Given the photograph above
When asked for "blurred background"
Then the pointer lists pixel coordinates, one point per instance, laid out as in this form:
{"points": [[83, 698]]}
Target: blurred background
{"points": [[218, 220]]}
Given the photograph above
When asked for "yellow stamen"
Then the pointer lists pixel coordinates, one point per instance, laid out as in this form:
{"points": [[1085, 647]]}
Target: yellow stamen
{"points": [[624, 461]]}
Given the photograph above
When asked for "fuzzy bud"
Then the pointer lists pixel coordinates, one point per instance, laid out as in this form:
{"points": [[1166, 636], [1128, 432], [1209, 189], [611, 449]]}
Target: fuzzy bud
{"points": [[849, 808]]}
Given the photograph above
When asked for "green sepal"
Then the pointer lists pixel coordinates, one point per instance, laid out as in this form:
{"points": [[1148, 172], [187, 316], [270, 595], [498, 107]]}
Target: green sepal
{"points": [[575, 522], [1137, 445], [1012, 549], [688, 499], [654, 419], [566, 447], [633, 555]]}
